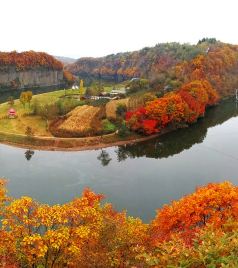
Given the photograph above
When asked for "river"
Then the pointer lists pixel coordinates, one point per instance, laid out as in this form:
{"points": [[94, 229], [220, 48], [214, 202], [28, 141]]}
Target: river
{"points": [[139, 178]]}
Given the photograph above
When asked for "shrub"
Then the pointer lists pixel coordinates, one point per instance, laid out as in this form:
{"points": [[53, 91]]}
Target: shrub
{"points": [[29, 132], [66, 105], [99, 102], [149, 97], [10, 101], [123, 130], [121, 110], [108, 127], [137, 85]]}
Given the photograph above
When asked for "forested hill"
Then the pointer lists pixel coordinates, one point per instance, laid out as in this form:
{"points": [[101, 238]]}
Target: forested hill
{"points": [[145, 62], [28, 60], [168, 64]]}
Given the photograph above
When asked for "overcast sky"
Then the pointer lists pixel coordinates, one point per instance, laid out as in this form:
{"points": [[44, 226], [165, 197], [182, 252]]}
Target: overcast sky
{"points": [[78, 28]]}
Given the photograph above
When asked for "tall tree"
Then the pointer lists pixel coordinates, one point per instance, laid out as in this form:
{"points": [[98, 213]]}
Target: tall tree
{"points": [[81, 88]]}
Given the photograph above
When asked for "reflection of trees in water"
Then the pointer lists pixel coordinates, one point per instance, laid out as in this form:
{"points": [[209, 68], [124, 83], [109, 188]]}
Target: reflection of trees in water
{"points": [[181, 139], [104, 158], [28, 154]]}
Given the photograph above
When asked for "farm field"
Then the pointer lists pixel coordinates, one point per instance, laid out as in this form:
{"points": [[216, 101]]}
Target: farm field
{"points": [[24, 117], [82, 118]]}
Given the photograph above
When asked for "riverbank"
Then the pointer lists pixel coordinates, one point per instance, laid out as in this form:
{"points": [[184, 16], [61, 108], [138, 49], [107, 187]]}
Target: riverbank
{"points": [[51, 143], [70, 144]]}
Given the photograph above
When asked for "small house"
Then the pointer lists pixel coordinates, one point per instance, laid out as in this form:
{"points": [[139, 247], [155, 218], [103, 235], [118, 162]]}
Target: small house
{"points": [[12, 113], [75, 87], [168, 88], [118, 92], [134, 79]]}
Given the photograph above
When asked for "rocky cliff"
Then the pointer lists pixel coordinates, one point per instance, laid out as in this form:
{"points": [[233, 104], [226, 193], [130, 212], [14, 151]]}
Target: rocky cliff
{"points": [[30, 78], [29, 70]]}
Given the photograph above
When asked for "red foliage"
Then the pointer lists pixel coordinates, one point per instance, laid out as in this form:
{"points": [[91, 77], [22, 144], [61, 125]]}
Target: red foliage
{"points": [[183, 106], [129, 114], [168, 109], [150, 126]]}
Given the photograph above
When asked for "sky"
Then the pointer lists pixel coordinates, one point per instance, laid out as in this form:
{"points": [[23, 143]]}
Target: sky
{"points": [[94, 28]]}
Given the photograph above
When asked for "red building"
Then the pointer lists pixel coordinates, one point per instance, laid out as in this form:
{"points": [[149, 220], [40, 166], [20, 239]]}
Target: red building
{"points": [[12, 113]]}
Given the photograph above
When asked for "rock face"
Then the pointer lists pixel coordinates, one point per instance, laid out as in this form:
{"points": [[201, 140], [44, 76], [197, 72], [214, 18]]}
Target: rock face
{"points": [[30, 78], [29, 70]]}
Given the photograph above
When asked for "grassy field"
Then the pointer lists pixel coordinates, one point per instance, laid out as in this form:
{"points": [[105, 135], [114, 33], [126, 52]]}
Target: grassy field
{"points": [[38, 124], [24, 119]]}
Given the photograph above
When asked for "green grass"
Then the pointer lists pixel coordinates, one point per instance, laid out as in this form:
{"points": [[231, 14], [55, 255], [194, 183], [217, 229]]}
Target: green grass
{"points": [[25, 119], [19, 124]]}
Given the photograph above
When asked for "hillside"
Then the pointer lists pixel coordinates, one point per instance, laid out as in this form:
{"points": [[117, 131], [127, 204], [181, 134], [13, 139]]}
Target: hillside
{"points": [[168, 64], [29, 70], [144, 62]]}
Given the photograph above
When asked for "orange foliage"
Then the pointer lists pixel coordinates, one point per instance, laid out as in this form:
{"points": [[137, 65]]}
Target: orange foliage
{"points": [[28, 60], [198, 94], [170, 108], [212, 204], [85, 233], [81, 233], [183, 106], [219, 66], [69, 77]]}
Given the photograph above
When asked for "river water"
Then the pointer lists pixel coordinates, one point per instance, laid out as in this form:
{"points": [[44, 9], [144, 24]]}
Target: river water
{"points": [[139, 178]]}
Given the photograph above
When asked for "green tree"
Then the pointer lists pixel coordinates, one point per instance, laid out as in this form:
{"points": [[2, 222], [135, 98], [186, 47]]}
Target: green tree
{"points": [[29, 96], [26, 97], [23, 98], [11, 101], [121, 110]]}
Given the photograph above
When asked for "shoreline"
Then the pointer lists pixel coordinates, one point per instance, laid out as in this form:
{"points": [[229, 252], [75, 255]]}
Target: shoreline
{"points": [[44, 143], [98, 141]]}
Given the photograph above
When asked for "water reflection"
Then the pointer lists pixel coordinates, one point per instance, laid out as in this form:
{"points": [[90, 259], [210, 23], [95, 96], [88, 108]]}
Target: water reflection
{"points": [[104, 158], [180, 140], [28, 154], [141, 184]]}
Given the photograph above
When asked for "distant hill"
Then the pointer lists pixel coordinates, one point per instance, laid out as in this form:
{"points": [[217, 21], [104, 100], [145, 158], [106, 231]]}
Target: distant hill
{"points": [[146, 62], [65, 60], [168, 64]]}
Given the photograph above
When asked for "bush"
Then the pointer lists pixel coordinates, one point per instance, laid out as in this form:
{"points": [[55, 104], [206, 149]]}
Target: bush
{"points": [[29, 132], [99, 102], [149, 97], [137, 85], [47, 111], [35, 107], [10, 100], [123, 131], [66, 105], [121, 110], [108, 127]]}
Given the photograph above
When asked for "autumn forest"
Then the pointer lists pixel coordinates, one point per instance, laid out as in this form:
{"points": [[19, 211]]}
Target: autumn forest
{"points": [[116, 101]]}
